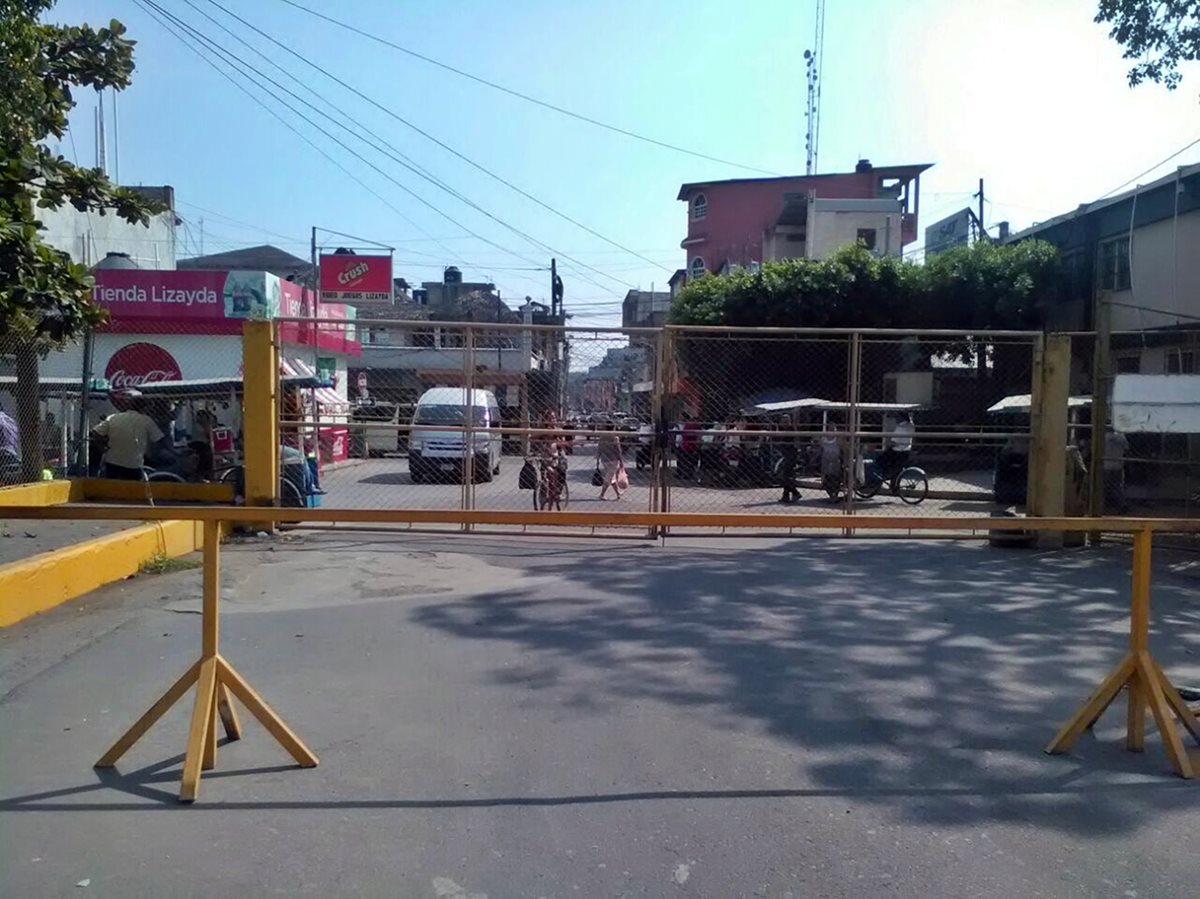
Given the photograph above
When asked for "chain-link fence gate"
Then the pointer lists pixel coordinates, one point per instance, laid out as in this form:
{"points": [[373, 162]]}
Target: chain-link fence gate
{"points": [[480, 416]]}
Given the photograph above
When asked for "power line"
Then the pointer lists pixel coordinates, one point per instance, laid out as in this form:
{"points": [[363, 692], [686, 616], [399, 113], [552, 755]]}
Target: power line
{"points": [[1149, 170], [386, 151], [426, 134], [530, 99], [149, 5]]}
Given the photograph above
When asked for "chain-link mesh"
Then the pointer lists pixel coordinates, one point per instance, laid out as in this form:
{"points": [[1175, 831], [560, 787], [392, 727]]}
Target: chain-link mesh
{"points": [[373, 414], [472, 416], [57, 401], [944, 423], [1147, 461]]}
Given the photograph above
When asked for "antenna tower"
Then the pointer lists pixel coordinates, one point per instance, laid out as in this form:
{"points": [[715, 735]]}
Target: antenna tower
{"points": [[812, 113]]}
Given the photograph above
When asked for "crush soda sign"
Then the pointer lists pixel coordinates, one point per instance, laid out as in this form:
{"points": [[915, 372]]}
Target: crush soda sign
{"points": [[348, 278], [136, 364]]}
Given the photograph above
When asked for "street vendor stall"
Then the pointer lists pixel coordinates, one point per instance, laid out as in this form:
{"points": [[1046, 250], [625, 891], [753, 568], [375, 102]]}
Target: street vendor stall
{"points": [[185, 327]]}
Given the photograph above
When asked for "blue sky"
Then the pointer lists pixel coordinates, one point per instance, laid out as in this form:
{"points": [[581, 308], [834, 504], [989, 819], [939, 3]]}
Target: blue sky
{"points": [[1028, 94]]}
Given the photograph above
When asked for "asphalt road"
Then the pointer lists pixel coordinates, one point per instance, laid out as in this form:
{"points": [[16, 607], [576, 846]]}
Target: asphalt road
{"points": [[522, 717], [386, 483]]}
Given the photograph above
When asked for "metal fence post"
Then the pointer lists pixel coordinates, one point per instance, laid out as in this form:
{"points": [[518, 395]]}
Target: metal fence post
{"points": [[1101, 391], [854, 389], [658, 419], [468, 462]]}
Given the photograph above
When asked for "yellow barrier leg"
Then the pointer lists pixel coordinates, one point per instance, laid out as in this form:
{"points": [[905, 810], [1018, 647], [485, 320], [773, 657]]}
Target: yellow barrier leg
{"points": [[266, 716], [173, 695], [229, 718], [215, 681], [1093, 708], [206, 688]]}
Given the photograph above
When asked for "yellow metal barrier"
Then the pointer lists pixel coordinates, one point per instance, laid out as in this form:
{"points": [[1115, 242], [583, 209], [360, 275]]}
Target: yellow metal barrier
{"points": [[260, 412], [215, 678]]}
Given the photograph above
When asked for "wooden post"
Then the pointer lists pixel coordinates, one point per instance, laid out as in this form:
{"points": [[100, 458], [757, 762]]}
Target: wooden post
{"points": [[1145, 680], [261, 409], [1048, 437]]}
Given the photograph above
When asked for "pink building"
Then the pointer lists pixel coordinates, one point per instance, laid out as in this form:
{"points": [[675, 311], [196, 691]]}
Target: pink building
{"points": [[748, 220]]}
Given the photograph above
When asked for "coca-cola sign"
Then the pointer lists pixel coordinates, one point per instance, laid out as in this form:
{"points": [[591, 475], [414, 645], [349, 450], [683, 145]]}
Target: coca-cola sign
{"points": [[136, 364]]}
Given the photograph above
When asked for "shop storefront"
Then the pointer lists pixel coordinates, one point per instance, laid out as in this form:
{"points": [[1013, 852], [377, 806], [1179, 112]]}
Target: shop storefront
{"points": [[185, 327]]}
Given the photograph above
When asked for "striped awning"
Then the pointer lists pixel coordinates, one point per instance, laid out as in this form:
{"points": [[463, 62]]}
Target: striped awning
{"points": [[328, 401]]}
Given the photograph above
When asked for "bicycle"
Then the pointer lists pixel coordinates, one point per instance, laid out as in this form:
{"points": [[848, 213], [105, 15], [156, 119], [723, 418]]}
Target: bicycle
{"points": [[908, 482], [290, 495], [552, 488]]}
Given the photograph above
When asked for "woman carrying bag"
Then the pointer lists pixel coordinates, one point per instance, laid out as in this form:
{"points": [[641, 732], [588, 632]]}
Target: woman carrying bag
{"points": [[610, 458]]}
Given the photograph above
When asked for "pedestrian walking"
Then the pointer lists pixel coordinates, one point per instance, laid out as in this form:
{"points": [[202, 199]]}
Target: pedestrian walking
{"points": [[787, 470], [611, 457]]}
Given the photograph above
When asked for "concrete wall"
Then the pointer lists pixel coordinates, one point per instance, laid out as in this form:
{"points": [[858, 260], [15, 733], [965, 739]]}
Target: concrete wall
{"points": [[835, 223], [89, 237], [1165, 275], [912, 387]]}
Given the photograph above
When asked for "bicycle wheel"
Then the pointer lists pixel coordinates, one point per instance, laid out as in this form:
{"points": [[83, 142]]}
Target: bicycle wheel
{"points": [[564, 494], [912, 486], [289, 495], [866, 489], [231, 475], [168, 477], [539, 495]]}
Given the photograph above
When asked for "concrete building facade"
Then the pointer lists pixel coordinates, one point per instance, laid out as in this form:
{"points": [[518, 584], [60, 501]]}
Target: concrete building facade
{"points": [[746, 221]]}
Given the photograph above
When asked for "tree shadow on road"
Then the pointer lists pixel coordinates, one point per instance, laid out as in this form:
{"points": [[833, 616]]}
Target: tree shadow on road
{"points": [[923, 676]]}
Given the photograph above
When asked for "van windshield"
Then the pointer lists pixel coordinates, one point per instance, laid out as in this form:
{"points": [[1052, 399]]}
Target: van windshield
{"points": [[447, 415]]}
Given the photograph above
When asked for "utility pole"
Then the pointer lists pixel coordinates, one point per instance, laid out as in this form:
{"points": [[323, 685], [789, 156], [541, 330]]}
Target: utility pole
{"points": [[982, 232], [556, 301], [315, 275]]}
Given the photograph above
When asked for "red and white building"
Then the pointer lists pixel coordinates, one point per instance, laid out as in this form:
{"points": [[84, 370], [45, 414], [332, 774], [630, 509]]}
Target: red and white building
{"points": [[186, 326], [744, 221]]}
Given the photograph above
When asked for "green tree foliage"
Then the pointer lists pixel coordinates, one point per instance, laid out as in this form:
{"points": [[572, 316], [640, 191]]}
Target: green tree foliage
{"points": [[978, 288], [45, 298], [1160, 34], [986, 285]]}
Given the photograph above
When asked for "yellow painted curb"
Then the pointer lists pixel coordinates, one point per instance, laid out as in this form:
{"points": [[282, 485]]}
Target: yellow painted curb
{"points": [[41, 493], [51, 578]]}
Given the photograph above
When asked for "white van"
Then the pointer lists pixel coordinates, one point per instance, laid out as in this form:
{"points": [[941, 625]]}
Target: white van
{"points": [[438, 453]]}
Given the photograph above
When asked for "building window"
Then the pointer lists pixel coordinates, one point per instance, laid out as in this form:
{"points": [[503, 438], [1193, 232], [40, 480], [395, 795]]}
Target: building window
{"points": [[1128, 365], [1181, 363], [866, 238], [1114, 264], [699, 208], [697, 268]]}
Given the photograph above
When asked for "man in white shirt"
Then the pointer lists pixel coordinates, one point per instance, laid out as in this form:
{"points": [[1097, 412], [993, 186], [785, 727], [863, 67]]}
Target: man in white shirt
{"points": [[898, 445], [1116, 445], [130, 434]]}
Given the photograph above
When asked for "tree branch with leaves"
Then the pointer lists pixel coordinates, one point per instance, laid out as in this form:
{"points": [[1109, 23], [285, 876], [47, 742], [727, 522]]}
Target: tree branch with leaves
{"points": [[1160, 34], [45, 297]]}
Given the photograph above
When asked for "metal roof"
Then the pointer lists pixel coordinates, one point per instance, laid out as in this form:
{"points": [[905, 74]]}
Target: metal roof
{"points": [[1020, 402], [1183, 171], [884, 171]]}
